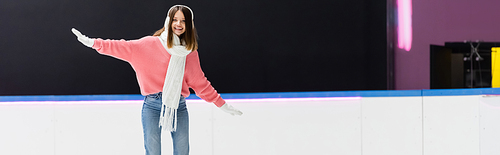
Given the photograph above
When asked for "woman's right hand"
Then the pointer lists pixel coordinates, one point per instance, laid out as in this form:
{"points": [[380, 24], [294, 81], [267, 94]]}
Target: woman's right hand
{"points": [[82, 38]]}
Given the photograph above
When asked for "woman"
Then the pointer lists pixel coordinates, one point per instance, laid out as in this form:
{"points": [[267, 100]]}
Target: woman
{"points": [[166, 66]]}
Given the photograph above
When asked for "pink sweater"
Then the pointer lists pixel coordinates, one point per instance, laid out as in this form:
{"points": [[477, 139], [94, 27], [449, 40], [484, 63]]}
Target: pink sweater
{"points": [[150, 59]]}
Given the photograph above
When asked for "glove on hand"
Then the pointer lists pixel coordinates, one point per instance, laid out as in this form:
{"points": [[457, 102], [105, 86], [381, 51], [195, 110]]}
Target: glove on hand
{"points": [[230, 109], [82, 38]]}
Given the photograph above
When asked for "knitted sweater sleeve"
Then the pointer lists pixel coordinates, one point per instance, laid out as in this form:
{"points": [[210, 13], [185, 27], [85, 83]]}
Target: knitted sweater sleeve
{"points": [[196, 79], [120, 49]]}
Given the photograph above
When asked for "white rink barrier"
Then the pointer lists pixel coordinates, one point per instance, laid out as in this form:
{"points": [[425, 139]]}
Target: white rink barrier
{"points": [[409, 122]]}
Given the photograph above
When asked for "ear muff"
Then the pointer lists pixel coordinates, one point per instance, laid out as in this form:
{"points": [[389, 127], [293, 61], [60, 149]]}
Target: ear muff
{"points": [[192, 14]]}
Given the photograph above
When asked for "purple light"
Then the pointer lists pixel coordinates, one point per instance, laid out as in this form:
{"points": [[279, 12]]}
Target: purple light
{"points": [[405, 24], [189, 100]]}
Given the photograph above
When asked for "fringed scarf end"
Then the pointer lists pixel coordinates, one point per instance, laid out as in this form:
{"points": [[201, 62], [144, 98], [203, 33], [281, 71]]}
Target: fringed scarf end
{"points": [[168, 119]]}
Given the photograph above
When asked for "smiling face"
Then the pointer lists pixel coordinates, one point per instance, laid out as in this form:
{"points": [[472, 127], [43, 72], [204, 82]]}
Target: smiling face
{"points": [[179, 23]]}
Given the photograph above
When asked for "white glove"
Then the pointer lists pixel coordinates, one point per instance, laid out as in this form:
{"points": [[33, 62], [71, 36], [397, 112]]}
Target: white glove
{"points": [[83, 39], [230, 109]]}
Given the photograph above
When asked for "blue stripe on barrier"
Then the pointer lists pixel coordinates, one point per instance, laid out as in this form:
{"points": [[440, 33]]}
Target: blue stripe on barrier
{"points": [[374, 93], [456, 92], [368, 93], [70, 98]]}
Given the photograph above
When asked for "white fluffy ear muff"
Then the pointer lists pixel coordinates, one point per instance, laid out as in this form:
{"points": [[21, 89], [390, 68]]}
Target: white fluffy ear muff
{"points": [[167, 20], [192, 14]]}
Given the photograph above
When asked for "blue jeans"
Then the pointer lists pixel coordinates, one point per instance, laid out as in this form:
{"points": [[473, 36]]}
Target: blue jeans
{"points": [[152, 132]]}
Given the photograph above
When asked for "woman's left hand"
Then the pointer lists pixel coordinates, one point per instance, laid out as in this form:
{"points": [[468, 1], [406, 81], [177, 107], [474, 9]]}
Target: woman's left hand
{"points": [[230, 109]]}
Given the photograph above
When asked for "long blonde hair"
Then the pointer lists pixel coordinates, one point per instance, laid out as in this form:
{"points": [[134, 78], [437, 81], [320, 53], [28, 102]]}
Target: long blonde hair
{"points": [[190, 37]]}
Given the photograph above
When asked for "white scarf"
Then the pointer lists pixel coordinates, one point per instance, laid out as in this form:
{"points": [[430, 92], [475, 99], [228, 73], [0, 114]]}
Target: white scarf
{"points": [[173, 80]]}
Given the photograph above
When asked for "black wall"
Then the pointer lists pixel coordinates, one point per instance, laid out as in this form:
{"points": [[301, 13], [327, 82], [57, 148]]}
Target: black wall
{"points": [[245, 46]]}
